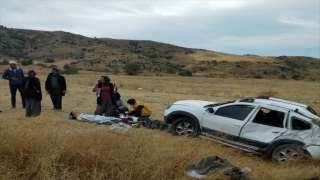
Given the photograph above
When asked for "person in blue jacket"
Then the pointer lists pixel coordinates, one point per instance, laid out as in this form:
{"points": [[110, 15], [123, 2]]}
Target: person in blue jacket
{"points": [[15, 77]]}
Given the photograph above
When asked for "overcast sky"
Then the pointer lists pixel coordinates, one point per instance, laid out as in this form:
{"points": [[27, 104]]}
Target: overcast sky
{"points": [[261, 27]]}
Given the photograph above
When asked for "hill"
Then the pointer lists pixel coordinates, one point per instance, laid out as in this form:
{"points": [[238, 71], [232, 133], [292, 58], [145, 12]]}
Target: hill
{"points": [[110, 55]]}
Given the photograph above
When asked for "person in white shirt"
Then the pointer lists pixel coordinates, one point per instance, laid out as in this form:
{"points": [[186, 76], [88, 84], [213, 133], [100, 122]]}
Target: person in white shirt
{"points": [[121, 104]]}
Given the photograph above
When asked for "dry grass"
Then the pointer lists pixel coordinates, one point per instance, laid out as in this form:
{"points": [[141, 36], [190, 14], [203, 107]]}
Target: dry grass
{"points": [[50, 147]]}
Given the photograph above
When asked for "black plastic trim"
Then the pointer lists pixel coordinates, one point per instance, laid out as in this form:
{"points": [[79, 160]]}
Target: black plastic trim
{"points": [[171, 117]]}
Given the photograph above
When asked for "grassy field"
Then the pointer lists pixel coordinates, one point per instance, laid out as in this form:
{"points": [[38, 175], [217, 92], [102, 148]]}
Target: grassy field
{"points": [[51, 147]]}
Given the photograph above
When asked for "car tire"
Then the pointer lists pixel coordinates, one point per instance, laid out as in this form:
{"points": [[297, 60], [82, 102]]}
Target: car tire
{"points": [[184, 127], [287, 152]]}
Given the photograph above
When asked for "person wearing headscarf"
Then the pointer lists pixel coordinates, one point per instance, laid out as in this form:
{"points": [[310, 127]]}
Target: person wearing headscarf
{"points": [[33, 94], [121, 105], [106, 103], [140, 109], [56, 86]]}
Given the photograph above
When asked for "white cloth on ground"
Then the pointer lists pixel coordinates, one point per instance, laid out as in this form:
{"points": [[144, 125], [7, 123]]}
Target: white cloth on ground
{"points": [[97, 118]]}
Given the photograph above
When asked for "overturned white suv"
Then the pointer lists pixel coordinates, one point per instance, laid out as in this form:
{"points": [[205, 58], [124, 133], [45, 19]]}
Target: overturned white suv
{"points": [[275, 127]]}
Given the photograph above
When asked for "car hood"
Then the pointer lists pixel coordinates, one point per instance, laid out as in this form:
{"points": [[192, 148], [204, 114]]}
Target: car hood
{"points": [[194, 103]]}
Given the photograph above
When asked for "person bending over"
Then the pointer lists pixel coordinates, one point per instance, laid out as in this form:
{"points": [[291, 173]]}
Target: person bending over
{"points": [[139, 109]]}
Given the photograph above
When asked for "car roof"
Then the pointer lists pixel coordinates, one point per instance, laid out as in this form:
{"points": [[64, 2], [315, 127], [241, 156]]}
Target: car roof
{"points": [[290, 105]]}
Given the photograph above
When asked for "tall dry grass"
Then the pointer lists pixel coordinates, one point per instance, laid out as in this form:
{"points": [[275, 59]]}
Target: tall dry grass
{"points": [[51, 147]]}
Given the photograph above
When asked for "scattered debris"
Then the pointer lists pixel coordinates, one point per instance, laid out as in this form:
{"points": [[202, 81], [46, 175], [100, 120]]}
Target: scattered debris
{"points": [[215, 164], [120, 128]]}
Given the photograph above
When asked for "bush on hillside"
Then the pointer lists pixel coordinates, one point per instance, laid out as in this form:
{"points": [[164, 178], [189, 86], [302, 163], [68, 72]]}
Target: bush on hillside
{"points": [[282, 76], [49, 60], [26, 62], [131, 68], [185, 73], [257, 76], [171, 70], [70, 70]]}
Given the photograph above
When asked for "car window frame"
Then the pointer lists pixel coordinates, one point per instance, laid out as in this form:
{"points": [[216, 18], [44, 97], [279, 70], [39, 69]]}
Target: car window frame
{"points": [[237, 104], [285, 119]]}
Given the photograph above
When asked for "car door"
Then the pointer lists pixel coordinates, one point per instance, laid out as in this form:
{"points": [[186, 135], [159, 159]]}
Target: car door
{"points": [[267, 124], [227, 119]]}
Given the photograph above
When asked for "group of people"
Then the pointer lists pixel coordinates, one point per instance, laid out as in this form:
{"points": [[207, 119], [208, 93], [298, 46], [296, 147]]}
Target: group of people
{"points": [[109, 101], [30, 88]]}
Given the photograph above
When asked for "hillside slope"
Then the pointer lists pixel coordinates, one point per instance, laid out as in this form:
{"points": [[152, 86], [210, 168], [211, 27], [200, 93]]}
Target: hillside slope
{"points": [[105, 54]]}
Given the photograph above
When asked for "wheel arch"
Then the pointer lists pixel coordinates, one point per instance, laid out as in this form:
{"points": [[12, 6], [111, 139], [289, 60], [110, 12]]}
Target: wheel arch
{"points": [[269, 150], [170, 118]]}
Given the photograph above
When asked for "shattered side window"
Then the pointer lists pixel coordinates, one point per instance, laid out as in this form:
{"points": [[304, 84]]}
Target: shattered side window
{"points": [[298, 124], [269, 117], [239, 112]]}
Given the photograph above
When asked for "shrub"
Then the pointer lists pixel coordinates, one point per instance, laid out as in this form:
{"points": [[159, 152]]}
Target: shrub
{"points": [[49, 60], [171, 70], [66, 66], [257, 76], [282, 76], [26, 62], [295, 76], [4, 62], [70, 70], [116, 70], [131, 68], [42, 65], [185, 73]]}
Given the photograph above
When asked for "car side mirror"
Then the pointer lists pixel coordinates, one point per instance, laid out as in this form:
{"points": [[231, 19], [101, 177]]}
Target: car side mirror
{"points": [[210, 110]]}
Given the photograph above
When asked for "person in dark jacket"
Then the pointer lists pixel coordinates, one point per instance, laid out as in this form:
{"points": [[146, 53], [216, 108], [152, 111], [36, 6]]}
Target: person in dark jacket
{"points": [[33, 94], [56, 86], [15, 77], [106, 102]]}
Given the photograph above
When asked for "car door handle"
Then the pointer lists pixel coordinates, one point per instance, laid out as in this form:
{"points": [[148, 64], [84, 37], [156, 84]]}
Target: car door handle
{"points": [[237, 125], [275, 132]]}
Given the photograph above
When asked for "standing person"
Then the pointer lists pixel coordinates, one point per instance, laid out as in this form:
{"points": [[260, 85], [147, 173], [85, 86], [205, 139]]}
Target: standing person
{"points": [[56, 86], [139, 109], [106, 102], [121, 105], [33, 94], [15, 76]]}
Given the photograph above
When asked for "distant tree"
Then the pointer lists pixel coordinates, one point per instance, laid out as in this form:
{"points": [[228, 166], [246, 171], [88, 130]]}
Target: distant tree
{"points": [[131, 68]]}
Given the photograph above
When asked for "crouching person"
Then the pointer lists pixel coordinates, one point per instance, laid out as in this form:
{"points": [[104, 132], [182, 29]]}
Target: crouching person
{"points": [[139, 109]]}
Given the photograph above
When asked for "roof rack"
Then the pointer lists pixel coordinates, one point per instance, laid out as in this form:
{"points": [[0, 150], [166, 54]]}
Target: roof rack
{"points": [[283, 101], [247, 100]]}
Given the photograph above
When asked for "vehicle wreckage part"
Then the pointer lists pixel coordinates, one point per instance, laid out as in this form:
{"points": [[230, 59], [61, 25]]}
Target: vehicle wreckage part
{"points": [[287, 152], [314, 150]]}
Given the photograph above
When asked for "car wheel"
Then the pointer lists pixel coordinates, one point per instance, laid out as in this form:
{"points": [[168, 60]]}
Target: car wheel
{"points": [[184, 127], [287, 152]]}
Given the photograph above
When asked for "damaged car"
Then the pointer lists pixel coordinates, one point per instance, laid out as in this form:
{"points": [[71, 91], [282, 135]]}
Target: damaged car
{"points": [[278, 128]]}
